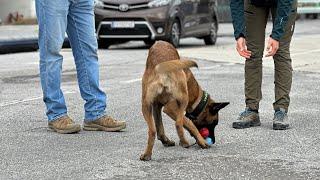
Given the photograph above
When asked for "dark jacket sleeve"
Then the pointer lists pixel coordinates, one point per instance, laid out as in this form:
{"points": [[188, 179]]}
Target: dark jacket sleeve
{"points": [[284, 8], [237, 13]]}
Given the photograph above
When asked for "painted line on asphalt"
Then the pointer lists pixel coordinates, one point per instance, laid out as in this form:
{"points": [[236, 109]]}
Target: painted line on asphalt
{"points": [[67, 92], [28, 100], [14, 102], [210, 67], [305, 52], [131, 81]]}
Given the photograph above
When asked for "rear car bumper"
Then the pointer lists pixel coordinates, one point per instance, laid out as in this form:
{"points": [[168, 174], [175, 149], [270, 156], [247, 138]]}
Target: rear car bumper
{"points": [[308, 6], [146, 23]]}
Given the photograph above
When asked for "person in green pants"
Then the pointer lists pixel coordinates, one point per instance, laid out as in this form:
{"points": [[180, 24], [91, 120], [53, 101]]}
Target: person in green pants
{"points": [[249, 21]]}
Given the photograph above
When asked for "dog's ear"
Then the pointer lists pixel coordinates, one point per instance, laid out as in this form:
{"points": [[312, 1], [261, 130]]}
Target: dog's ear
{"points": [[216, 107]]}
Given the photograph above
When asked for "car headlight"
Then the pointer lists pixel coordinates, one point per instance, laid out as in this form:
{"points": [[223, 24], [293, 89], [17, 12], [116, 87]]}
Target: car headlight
{"points": [[158, 3], [98, 3]]}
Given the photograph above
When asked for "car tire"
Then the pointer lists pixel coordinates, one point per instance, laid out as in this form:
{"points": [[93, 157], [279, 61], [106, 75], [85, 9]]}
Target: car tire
{"points": [[104, 43], [314, 16], [211, 39], [174, 36]]}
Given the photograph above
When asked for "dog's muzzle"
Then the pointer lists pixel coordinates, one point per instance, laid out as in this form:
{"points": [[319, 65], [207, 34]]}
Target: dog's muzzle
{"points": [[211, 128]]}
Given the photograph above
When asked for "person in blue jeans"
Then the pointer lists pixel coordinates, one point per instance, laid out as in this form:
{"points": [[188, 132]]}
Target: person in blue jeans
{"points": [[76, 18]]}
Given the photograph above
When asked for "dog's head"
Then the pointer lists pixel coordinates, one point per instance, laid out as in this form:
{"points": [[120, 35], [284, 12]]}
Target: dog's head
{"points": [[209, 117]]}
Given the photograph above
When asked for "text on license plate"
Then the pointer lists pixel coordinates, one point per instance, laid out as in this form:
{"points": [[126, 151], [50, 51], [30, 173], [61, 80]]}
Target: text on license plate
{"points": [[122, 24]]}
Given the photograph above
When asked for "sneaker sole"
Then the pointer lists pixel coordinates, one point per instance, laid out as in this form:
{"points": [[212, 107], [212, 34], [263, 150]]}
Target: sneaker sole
{"points": [[96, 127], [69, 131], [241, 125], [280, 126]]}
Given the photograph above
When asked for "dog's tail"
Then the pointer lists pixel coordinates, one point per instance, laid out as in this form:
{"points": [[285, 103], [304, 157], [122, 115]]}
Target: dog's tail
{"points": [[174, 65]]}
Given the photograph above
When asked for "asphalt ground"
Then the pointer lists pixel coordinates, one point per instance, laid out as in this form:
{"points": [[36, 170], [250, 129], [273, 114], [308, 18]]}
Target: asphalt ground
{"points": [[29, 151]]}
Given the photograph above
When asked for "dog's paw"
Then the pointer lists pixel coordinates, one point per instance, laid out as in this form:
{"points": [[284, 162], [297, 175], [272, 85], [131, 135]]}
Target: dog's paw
{"points": [[184, 144], [168, 143], [145, 157], [203, 144]]}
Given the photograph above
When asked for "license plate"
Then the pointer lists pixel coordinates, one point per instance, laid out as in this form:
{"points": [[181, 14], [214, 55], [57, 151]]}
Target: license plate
{"points": [[122, 24]]}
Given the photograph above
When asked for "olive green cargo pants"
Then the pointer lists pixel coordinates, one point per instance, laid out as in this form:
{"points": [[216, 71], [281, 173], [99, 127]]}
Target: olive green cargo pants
{"points": [[256, 19]]}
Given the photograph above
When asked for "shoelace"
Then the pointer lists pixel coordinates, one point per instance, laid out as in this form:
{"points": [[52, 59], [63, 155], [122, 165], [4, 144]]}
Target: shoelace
{"points": [[67, 121], [245, 112], [108, 121], [279, 115]]}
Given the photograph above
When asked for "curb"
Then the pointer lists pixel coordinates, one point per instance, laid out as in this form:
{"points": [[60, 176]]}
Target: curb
{"points": [[23, 45], [19, 45]]}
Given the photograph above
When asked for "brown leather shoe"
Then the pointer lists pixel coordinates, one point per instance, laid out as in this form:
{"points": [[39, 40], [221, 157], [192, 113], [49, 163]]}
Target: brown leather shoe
{"points": [[64, 125], [105, 123]]}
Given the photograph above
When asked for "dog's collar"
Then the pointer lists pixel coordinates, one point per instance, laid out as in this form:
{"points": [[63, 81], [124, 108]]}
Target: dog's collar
{"points": [[200, 107]]}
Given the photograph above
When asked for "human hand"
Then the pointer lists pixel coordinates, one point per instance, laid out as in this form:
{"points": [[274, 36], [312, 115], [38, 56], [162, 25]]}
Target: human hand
{"points": [[242, 48], [272, 48]]}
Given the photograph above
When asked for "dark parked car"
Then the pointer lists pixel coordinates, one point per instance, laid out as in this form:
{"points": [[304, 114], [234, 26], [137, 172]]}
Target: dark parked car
{"points": [[150, 20], [223, 11]]}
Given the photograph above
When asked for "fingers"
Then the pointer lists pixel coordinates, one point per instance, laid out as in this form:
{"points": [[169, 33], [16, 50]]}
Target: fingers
{"points": [[271, 51], [244, 53], [272, 47], [242, 48]]}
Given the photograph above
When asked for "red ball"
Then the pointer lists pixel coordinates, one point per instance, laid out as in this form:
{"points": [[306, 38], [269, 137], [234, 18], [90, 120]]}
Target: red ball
{"points": [[204, 132]]}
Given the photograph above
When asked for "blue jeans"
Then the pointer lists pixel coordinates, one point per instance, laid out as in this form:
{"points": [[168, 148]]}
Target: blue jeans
{"points": [[76, 17]]}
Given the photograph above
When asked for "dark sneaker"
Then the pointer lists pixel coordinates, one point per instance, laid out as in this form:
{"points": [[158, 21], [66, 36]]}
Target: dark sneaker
{"points": [[280, 120], [246, 119], [105, 123], [64, 125]]}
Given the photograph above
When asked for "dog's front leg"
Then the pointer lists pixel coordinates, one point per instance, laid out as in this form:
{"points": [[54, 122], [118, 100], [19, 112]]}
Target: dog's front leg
{"points": [[176, 112], [179, 126], [188, 124], [147, 114], [169, 109]]}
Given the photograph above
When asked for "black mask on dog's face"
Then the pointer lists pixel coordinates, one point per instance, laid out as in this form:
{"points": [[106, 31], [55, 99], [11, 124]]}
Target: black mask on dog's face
{"points": [[210, 118]]}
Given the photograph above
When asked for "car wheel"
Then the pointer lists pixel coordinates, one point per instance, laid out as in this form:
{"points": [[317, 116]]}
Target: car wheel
{"points": [[314, 16], [211, 39], [174, 38], [104, 43]]}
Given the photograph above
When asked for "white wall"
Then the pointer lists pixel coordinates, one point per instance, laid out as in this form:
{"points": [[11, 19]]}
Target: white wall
{"points": [[25, 7]]}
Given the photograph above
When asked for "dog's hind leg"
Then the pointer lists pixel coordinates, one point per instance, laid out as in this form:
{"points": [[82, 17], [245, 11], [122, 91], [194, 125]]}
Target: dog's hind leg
{"points": [[159, 126], [147, 113], [179, 126], [175, 110]]}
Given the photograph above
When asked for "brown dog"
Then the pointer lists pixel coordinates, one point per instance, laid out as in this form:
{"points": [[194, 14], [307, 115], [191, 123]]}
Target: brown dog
{"points": [[169, 84]]}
